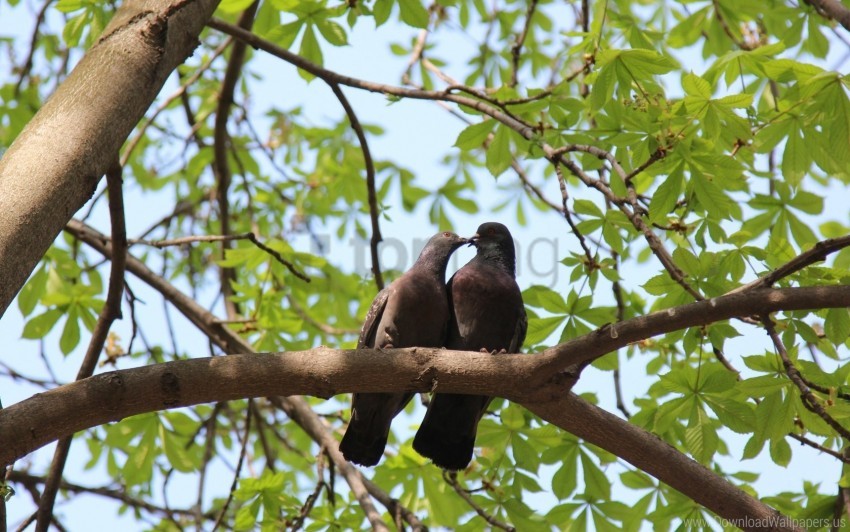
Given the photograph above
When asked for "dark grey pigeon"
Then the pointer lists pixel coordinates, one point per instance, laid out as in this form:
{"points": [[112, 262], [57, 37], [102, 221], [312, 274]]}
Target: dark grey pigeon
{"points": [[413, 311], [487, 315]]}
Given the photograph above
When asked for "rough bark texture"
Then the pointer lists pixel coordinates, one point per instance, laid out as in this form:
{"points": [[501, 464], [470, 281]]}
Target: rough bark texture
{"points": [[54, 165]]}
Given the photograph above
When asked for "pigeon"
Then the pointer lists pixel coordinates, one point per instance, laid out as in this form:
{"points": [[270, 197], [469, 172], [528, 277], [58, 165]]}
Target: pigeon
{"points": [[413, 311], [487, 315]]}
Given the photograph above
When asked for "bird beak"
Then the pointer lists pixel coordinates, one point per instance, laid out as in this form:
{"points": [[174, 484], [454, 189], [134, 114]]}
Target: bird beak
{"points": [[473, 240]]}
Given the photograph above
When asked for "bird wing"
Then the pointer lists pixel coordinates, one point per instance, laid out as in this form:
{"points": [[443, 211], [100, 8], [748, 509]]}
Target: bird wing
{"points": [[373, 318], [521, 329]]}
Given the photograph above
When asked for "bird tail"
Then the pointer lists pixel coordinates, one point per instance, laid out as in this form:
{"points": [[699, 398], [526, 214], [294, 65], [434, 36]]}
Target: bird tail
{"points": [[447, 434], [371, 416]]}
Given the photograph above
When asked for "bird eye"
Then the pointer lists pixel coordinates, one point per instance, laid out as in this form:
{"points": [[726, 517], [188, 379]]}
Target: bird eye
{"points": [[447, 234], [491, 231]]}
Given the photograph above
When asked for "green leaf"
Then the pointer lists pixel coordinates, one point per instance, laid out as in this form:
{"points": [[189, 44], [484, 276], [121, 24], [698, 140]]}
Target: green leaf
{"points": [[413, 13], [381, 11], [694, 85], [545, 298], [565, 480], [736, 415], [796, 160], [499, 153], [539, 329], [596, 483], [780, 451], [717, 204], [32, 292], [666, 196], [603, 88], [176, 451], [310, 51], [701, 436], [40, 325], [837, 325], [475, 135], [233, 6], [332, 32], [71, 332]]}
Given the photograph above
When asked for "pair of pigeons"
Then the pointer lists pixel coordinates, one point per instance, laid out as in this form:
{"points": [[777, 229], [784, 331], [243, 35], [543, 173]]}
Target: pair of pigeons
{"points": [[480, 309]]}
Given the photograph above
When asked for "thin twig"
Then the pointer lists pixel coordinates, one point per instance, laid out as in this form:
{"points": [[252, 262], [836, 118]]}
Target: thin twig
{"points": [[221, 139], [814, 445], [251, 237], [841, 510], [27, 67], [810, 401], [310, 502], [26, 479], [591, 262], [324, 327], [817, 253], [451, 479], [209, 447], [370, 183], [621, 315], [516, 49], [267, 450], [238, 471]]}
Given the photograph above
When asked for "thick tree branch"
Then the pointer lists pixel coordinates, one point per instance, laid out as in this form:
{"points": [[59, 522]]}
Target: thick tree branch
{"points": [[591, 346], [139, 49]]}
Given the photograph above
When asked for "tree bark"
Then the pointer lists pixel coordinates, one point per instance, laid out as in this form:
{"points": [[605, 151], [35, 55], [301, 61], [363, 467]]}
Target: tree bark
{"points": [[54, 165]]}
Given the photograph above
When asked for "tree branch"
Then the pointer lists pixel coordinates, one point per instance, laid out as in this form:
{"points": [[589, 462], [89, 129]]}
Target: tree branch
{"points": [[451, 479], [809, 400], [110, 312], [834, 9], [118, 394], [222, 238], [516, 49], [221, 166], [370, 183], [647, 452]]}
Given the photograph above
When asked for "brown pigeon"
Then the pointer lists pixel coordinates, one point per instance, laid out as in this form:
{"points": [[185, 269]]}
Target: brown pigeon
{"points": [[413, 311], [487, 315]]}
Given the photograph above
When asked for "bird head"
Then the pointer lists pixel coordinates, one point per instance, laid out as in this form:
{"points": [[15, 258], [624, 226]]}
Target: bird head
{"points": [[495, 244], [491, 235], [442, 245]]}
